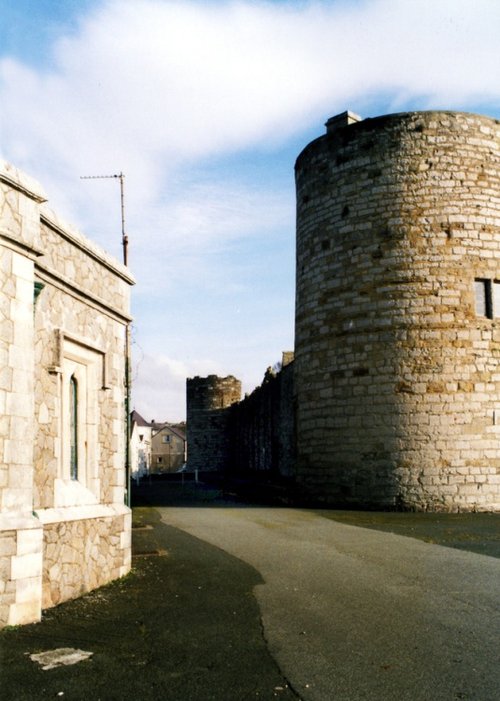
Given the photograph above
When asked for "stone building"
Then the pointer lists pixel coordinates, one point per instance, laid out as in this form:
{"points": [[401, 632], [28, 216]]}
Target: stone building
{"points": [[397, 334], [397, 322], [64, 309]]}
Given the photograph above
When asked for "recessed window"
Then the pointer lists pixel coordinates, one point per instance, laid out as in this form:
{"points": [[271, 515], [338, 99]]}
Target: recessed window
{"points": [[166, 439], [78, 480], [73, 427], [487, 296]]}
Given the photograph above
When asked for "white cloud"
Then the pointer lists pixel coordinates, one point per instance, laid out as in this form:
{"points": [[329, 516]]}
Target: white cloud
{"points": [[159, 384], [166, 90], [147, 86]]}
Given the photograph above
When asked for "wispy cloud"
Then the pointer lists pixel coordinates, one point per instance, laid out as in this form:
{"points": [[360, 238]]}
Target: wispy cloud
{"points": [[186, 98]]}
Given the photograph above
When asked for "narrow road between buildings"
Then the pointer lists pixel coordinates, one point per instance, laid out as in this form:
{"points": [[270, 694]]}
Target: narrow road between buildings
{"points": [[351, 614]]}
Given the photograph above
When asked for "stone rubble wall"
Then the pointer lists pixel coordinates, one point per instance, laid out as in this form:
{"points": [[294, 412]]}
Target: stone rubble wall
{"points": [[81, 555], [397, 377]]}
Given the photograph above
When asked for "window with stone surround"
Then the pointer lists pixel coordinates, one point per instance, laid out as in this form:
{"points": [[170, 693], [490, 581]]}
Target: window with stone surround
{"points": [[82, 376], [487, 297]]}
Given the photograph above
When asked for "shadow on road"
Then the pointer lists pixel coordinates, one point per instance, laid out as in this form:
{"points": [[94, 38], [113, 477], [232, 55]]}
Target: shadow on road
{"points": [[476, 532], [183, 625]]}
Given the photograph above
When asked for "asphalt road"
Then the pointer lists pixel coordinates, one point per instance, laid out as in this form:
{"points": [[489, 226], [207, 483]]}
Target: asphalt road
{"points": [[352, 614]]}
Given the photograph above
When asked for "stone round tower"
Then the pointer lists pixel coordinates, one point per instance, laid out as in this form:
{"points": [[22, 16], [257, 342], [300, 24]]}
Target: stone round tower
{"points": [[398, 312], [208, 399]]}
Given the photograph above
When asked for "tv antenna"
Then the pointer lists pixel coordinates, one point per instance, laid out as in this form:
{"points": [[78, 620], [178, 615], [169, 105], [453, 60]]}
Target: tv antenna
{"points": [[121, 177]]}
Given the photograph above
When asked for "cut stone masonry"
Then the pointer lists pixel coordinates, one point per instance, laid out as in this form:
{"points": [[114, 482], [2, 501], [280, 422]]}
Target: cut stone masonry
{"points": [[64, 307]]}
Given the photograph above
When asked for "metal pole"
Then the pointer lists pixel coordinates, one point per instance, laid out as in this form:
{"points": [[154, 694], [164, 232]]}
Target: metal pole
{"points": [[121, 177], [128, 499], [124, 235]]}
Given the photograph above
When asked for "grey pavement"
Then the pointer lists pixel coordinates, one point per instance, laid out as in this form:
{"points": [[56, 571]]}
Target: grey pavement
{"points": [[352, 614]]}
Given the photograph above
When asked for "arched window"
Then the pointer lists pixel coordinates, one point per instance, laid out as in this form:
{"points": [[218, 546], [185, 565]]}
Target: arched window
{"points": [[73, 427]]}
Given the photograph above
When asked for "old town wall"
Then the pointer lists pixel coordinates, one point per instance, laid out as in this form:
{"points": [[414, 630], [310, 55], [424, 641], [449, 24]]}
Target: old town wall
{"points": [[397, 312], [251, 437], [262, 427]]}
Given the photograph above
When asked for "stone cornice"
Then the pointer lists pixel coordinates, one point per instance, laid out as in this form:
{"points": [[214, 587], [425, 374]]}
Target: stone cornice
{"points": [[66, 285]]}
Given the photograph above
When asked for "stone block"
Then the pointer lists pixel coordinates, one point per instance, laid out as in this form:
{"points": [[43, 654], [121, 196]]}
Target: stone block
{"points": [[30, 541], [26, 566], [8, 543], [26, 612], [16, 500], [28, 590], [23, 268], [19, 405]]}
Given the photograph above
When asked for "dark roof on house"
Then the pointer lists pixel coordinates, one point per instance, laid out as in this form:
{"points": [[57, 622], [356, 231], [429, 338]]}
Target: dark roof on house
{"points": [[136, 418], [158, 427]]}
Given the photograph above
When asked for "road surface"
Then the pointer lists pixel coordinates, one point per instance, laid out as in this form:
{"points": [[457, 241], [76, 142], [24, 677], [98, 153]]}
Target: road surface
{"points": [[351, 614]]}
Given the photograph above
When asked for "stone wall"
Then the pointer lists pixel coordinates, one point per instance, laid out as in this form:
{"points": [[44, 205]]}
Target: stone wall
{"points": [[242, 438], [83, 554], [64, 307], [80, 318], [262, 428], [396, 356]]}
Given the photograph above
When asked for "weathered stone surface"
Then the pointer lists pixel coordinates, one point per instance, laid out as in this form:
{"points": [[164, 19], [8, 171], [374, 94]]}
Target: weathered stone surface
{"points": [[208, 400], [396, 374], [82, 555], [64, 308]]}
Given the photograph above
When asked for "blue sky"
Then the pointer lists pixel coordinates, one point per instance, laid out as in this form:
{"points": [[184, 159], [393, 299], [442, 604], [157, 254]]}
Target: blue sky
{"points": [[205, 106]]}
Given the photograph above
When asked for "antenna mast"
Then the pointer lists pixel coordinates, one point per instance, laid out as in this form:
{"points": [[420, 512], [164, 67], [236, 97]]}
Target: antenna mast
{"points": [[121, 177]]}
